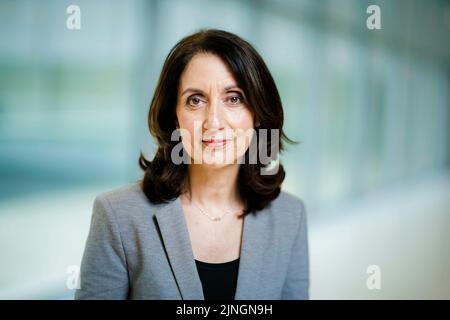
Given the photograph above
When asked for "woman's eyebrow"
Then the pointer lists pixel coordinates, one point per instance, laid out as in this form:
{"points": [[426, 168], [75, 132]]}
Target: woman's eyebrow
{"points": [[227, 88], [237, 88], [192, 90]]}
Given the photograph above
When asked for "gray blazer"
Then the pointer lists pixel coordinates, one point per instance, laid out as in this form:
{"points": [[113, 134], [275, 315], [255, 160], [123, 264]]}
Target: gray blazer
{"points": [[139, 250]]}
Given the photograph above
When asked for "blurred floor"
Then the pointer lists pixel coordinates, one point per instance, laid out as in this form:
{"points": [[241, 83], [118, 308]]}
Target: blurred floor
{"points": [[405, 231], [41, 236]]}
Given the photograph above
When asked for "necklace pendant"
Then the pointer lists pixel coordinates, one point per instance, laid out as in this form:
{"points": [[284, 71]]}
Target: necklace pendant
{"points": [[216, 219]]}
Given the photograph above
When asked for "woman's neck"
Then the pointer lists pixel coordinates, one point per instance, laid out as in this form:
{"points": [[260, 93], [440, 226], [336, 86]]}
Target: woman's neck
{"points": [[214, 185]]}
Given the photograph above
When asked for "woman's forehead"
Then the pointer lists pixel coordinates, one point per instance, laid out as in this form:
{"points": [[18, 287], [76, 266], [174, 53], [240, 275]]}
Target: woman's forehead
{"points": [[206, 70]]}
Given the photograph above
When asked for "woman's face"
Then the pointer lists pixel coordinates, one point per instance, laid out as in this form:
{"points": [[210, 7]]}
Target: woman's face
{"points": [[215, 123]]}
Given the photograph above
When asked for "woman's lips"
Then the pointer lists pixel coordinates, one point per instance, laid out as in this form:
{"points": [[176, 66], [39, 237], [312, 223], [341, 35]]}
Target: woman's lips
{"points": [[215, 143]]}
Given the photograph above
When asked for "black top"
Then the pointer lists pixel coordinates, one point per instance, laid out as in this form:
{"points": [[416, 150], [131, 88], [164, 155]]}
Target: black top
{"points": [[218, 279]]}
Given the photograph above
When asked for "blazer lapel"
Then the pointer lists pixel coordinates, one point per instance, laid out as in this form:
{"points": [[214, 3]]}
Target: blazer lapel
{"points": [[252, 251], [177, 244]]}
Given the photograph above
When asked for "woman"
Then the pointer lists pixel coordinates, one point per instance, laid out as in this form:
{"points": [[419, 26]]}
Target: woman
{"points": [[208, 220]]}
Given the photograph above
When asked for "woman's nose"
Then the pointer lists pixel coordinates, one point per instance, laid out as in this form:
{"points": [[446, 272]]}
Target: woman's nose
{"points": [[214, 116]]}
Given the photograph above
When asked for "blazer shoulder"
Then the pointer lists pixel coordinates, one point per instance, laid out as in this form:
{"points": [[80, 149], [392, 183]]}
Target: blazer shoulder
{"points": [[124, 195], [290, 205], [128, 202]]}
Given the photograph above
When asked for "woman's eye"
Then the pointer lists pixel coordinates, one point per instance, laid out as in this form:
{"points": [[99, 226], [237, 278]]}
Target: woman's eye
{"points": [[194, 101], [235, 99]]}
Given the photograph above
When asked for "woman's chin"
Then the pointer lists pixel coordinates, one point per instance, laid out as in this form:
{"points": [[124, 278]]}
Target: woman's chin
{"points": [[215, 163]]}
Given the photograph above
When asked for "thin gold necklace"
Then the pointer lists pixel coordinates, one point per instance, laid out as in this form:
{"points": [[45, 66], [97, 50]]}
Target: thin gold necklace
{"points": [[210, 217]]}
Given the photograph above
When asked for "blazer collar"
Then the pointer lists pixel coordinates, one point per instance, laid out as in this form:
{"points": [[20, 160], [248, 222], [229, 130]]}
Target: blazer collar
{"points": [[176, 241]]}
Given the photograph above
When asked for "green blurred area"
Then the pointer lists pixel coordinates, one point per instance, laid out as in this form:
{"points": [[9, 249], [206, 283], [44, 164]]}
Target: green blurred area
{"points": [[371, 107]]}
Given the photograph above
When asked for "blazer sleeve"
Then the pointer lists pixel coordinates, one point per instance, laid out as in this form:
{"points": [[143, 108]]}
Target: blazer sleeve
{"points": [[296, 286], [103, 271]]}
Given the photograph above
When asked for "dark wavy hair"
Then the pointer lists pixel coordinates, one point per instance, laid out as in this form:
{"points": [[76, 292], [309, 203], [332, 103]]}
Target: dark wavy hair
{"points": [[163, 180]]}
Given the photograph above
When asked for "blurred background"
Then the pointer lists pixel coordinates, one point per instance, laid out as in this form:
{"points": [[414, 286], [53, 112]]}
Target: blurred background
{"points": [[371, 108]]}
